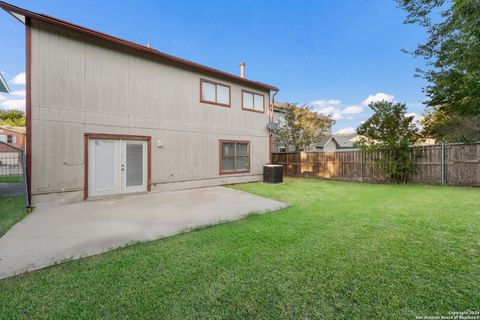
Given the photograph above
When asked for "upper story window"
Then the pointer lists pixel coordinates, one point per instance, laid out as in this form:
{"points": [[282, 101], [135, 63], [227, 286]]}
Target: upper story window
{"points": [[3, 138], [253, 101], [11, 138], [214, 93]]}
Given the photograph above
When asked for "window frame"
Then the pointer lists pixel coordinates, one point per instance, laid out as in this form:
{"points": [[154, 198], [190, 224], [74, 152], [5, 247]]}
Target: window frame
{"points": [[253, 93], [202, 80], [220, 157]]}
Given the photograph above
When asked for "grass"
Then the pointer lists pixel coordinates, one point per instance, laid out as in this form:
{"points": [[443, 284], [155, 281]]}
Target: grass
{"points": [[11, 179], [341, 251], [12, 210]]}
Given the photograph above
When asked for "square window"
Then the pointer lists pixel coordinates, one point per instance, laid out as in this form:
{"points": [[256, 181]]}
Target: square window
{"points": [[235, 157]]}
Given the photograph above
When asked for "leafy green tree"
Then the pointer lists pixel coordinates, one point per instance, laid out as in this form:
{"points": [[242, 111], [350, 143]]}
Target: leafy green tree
{"points": [[452, 52], [301, 127], [450, 127], [12, 118], [393, 133]]}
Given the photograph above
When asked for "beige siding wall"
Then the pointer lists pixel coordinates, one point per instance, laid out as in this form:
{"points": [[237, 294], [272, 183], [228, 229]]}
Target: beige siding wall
{"points": [[83, 85]]}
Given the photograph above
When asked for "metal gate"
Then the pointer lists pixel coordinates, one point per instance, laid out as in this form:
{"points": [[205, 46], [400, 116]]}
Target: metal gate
{"points": [[13, 178]]}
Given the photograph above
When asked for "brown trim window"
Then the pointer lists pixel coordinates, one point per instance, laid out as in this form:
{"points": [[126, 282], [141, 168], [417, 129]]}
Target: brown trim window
{"points": [[234, 156], [214, 93], [252, 101]]}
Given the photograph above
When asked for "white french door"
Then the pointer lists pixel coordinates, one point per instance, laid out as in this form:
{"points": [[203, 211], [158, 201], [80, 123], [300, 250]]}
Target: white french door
{"points": [[116, 166]]}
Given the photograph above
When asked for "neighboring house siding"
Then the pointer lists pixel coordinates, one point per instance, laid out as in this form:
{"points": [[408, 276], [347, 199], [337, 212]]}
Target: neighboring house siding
{"points": [[15, 138], [84, 85], [278, 117], [330, 146]]}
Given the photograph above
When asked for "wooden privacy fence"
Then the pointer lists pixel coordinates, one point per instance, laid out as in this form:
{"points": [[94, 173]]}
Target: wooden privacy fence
{"points": [[453, 164]]}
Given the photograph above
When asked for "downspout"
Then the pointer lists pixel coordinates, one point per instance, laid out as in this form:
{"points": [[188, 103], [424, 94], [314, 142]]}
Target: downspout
{"points": [[270, 118]]}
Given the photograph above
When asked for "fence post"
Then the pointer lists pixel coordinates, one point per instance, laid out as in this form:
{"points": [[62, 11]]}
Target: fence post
{"points": [[361, 165], [442, 163]]}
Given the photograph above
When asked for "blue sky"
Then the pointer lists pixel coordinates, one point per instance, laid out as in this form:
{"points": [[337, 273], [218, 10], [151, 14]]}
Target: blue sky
{"points": [[336, 55]]}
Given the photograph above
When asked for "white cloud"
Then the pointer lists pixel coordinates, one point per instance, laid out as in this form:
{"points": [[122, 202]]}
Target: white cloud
{"points": [[416, 119], [14, 104], [2, 97], [328, 107], [325, 103], [415, 116], [378, 97], [332, 107], [328, 110], [337, 116], [352, 109], [19, 79], [18, 93], [347, 130], [335, 113]]}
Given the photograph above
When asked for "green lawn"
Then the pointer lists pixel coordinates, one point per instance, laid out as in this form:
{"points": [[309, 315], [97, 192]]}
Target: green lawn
{"points": [[12, 210], [341, 251], [11, 179]]}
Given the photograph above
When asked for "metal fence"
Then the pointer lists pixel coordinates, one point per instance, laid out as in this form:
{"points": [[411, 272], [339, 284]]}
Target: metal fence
{"points": [[453, 164], [13, 180], [11, 162]]}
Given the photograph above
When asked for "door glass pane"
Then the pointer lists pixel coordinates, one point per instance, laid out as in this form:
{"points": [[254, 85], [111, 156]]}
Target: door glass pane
{"points": [[223, 94], [134, 166], [258, 102], [208, 91], [247, 100], [104, 165]]}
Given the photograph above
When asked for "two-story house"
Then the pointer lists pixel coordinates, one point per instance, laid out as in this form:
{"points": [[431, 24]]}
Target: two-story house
{"points": [[106, 116], [14, 136]]}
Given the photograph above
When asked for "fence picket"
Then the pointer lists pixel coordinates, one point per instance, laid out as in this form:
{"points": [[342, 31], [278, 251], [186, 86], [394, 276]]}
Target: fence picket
{"points": [[462, 165]]}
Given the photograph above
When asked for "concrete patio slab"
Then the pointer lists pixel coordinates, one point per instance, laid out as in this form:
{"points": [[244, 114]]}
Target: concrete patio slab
{"points": [[53, 234]]}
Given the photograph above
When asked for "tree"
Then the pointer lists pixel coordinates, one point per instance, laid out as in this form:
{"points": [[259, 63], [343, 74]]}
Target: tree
{"points": [[301, 127], [12, 118], [393, 133], [450, 127], [452, 52]]}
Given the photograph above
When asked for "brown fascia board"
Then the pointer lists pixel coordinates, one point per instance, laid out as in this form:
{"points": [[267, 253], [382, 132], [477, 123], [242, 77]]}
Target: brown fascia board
{"points": [[125, 43]]}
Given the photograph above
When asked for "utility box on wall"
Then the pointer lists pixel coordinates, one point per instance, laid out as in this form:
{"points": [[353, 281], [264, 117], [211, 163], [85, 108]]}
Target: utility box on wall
{"points": [[273, 173]]}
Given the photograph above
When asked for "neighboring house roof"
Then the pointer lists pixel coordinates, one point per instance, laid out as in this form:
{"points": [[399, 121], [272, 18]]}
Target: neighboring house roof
{"points": [[3, 84], [21, 14], [326, 139], [279, 107], [341, 140], [22, 130], [345, 140]]}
